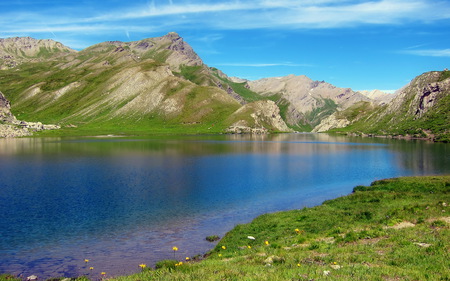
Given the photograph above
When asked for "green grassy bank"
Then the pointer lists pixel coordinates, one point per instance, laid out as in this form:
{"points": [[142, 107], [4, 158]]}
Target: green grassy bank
{"points": [[395, 229]]}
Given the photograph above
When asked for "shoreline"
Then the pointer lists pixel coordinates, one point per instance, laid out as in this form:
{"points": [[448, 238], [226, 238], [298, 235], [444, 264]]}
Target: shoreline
{"points": [[237, 239]]}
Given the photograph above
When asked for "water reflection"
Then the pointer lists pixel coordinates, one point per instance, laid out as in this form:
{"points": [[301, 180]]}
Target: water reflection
{"points": [[124, 201]]}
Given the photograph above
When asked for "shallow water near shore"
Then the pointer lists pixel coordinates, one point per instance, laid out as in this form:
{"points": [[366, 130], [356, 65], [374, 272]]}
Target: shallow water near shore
{"points": [[120, 202]]}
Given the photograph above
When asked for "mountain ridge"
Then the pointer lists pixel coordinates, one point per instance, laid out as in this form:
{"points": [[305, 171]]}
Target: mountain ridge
{"points": [[160, 83]]}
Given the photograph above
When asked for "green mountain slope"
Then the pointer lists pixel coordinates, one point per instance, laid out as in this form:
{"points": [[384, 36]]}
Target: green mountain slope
{"points": [[153, 85], [420, 110]]}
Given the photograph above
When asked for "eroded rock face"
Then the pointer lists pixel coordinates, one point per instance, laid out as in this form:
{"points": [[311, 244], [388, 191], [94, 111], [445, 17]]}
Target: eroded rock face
{"points": [[331, 122], [5, 112], [422, 94], [427, 98], [10, 127], [256, 118]]}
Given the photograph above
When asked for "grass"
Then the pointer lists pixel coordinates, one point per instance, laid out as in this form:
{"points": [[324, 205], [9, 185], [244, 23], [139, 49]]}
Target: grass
{"points": [[394, 229], [434, 124]]}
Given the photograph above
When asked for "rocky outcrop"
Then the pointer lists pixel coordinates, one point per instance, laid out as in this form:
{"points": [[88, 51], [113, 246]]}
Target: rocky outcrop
{"points": [[10, 127], [257, 117], [5, 110], [331, 122], [421, 95], [419, 110]]}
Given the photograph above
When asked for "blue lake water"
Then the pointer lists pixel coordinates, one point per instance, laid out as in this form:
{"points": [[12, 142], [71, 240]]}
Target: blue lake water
{"points": [[120, 202]]}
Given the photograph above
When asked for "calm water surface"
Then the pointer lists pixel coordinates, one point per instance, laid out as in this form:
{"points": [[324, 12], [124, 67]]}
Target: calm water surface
{"points": [[120, 202]]}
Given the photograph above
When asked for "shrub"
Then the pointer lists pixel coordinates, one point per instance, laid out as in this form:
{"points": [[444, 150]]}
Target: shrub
{"points": [[212, 238], [166, 264]]}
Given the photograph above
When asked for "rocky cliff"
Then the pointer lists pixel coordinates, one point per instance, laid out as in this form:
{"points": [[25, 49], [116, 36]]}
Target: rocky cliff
{"points": [[11, 127], [419, 110]]}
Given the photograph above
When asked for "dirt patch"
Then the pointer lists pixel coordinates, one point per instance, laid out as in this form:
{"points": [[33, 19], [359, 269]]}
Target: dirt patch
{"points": [[402, 224]]}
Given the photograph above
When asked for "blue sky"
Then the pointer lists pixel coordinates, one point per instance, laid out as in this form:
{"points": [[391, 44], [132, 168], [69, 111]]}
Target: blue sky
{"points": [[364, 45]]}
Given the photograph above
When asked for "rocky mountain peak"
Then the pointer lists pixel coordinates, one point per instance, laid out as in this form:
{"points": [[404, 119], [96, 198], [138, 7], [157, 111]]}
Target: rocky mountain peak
{"points": [[16, 50], [182, 53], [304, 93], [30, 47], [378, 96], [170, 48]]}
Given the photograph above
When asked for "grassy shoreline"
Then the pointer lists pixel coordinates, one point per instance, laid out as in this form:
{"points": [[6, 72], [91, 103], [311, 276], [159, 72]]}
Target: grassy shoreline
{"points": [[394, 229]]}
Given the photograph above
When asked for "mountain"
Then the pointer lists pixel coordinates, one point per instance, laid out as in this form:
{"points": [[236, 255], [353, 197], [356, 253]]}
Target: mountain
{"points": [[420, 110], [153, 85], [160, 85], [18, 50], [378, 96], [308, 102]]}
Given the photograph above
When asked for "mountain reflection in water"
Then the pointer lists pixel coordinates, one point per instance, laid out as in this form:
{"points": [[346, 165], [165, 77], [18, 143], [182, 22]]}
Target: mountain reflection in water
{"points": [[120, 202]]}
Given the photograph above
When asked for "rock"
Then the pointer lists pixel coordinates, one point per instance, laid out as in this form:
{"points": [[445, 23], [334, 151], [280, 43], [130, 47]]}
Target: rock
{"points": [[331, 122], [10, 127], [423, 245], [32, 278], [5, 110], [335, 266], [257, 118], [273, 260]]}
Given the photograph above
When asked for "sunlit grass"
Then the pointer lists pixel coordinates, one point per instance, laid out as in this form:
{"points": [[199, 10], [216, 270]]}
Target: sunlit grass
{"points": [[396, 229]]}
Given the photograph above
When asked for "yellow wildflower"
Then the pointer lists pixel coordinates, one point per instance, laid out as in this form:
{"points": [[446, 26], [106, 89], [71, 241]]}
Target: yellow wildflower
{"points": [[142, 265], [91, 268], [187, 258], [220, 255], [175, 248], [266, 242], [223, 247], [86, 260], [103, 273], [298, 264], [249, 246]]}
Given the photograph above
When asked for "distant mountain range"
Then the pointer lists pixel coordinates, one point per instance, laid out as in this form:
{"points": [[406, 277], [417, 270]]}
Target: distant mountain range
{"points": [[160, 85]]}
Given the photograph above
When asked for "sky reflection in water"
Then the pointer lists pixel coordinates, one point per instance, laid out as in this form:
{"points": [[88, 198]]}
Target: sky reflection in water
{"points": [[121, 202]]}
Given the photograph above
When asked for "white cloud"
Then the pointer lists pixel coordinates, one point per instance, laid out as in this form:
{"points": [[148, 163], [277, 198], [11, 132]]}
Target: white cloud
{"points": [[229, 15], [429, 53]]}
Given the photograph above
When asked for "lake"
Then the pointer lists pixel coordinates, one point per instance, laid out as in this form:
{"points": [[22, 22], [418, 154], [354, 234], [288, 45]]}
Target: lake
{"points": [[120, 202]]}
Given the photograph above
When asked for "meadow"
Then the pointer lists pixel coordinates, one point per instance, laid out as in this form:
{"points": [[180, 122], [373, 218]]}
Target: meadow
{"points": [[394, 229]]}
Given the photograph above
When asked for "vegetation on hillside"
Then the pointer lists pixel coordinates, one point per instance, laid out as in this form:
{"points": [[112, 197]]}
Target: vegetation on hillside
{"points": [[433, 124]]}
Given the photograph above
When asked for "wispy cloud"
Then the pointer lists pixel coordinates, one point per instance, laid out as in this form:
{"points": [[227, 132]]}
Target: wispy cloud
{"points": [[235, 15], [429, 53]]}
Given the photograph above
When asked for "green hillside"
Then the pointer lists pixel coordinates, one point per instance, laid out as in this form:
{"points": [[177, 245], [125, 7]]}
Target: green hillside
{"points": [[156, 85], [421, 110]]}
